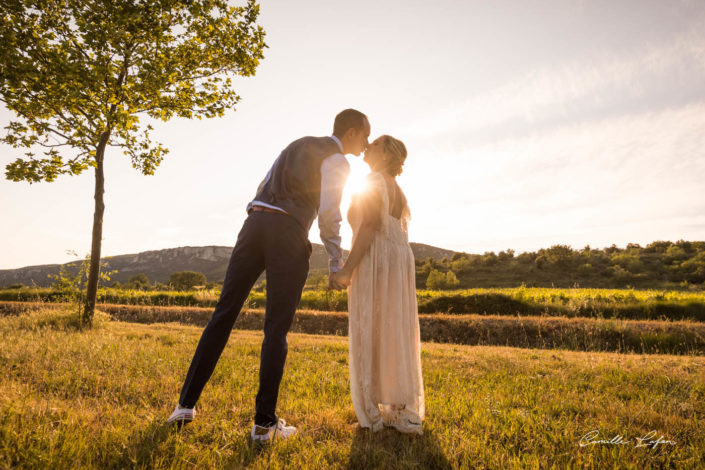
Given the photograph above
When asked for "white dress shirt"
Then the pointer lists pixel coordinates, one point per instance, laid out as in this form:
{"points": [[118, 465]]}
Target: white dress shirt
{"points": [[334, 174]]}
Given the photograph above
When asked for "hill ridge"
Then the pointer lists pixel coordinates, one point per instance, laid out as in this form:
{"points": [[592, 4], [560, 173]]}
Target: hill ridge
{"points": [[211, 260]]}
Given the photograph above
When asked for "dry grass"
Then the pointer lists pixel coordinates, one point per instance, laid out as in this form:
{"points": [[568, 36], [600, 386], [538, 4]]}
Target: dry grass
{"points": [[545, 332]]}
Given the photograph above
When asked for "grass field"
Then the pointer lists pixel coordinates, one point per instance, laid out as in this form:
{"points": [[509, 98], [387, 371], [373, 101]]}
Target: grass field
{"points": [[98, 398]]}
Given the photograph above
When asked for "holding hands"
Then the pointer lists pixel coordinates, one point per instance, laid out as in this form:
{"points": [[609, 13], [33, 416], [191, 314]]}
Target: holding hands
{"points": [[339, 279]]}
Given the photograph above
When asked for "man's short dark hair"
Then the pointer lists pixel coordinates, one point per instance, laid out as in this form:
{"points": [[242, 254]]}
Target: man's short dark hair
{"points": [[348, 119]]}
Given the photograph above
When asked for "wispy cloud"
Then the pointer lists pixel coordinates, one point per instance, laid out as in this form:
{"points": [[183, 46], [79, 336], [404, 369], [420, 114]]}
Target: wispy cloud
{"points": [[658, 75]]}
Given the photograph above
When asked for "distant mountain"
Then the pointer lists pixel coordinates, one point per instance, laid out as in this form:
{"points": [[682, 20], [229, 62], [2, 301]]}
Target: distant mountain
{"points": [[422, 252], [159, 264]]}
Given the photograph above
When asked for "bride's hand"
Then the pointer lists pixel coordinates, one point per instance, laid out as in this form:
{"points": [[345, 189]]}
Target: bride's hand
{"points": [[344, 277], [339, 280]]}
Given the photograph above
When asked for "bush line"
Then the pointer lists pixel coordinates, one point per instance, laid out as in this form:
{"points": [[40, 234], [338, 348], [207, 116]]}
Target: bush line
{"points": [[589, 303]]}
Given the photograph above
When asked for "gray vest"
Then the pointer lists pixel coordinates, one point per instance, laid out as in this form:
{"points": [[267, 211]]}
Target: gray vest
{"points": [[294, 181]]}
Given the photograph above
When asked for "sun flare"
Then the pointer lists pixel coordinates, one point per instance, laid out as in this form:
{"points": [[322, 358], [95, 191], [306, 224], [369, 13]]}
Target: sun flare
{"points": [[356, 181]]}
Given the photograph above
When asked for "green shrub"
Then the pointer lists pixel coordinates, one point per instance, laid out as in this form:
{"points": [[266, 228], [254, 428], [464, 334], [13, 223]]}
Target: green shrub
{"points": [[438, 280], [185, 280]]}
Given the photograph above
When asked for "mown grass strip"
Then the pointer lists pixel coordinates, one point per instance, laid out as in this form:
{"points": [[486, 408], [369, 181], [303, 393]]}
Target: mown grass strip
{"points": [[544, 332]]}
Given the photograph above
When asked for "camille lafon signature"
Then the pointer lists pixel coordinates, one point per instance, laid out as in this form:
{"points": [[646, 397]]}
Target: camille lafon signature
{"points": [[648, 440]]}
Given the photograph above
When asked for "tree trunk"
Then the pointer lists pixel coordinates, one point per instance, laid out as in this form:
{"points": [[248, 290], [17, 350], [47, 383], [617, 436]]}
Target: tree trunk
{"points": [[94, 272]]}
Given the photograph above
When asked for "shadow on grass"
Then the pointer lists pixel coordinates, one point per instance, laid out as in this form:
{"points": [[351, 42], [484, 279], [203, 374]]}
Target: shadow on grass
{"points": [[391, 449], [155, 446], [141, 448]]}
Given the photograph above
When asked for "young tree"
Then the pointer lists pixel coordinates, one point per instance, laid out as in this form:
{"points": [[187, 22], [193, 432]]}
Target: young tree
{"points": [[451, 280], [79, 75], [436, 280]]}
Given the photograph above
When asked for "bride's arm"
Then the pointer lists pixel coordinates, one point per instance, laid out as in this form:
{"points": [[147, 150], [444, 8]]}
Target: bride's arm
{"points": [[363, 240], [369, 205]]}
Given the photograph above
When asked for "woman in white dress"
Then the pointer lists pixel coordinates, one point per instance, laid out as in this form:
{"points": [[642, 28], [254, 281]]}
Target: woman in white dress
{"points": [[385, 349]]}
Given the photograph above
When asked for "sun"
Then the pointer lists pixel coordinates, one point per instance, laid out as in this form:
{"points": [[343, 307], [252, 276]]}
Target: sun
{"points": [[356, 181]]}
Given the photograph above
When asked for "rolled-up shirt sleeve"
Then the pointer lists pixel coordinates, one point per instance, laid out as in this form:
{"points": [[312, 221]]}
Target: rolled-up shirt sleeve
{"points": [[334, 174]]}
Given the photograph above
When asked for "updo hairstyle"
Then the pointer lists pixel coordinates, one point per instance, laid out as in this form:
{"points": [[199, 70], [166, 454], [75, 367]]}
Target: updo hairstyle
{"points": [[396, 150]]}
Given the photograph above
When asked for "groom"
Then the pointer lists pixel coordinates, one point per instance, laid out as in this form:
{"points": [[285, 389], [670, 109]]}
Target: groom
{"points": [[306, 181]]}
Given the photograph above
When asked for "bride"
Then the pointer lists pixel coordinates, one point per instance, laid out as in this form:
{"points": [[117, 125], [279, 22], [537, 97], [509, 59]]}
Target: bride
{"points": [[385, 360]]}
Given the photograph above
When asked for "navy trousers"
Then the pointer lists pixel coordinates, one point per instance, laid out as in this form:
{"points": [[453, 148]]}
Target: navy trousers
{"points": [[277, 244]]}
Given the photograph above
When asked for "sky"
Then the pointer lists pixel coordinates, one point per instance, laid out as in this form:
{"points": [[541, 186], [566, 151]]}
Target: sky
{"points": [[527, 124]]}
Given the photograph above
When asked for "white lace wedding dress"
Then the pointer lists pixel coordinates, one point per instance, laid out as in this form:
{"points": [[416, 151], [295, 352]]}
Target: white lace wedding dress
{"points": [[385, 349]]}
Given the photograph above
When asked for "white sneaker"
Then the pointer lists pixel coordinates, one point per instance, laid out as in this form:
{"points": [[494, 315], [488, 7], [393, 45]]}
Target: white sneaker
{"points": [[405, 421], [264, 433], [182, 415]]}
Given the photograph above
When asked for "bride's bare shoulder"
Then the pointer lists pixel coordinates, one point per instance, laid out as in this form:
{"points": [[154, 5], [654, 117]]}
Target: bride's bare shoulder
{"points": [[374, 177]]}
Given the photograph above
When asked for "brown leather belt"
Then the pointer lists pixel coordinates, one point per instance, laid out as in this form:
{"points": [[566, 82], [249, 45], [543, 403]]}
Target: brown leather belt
{"points": [[266, 209]]}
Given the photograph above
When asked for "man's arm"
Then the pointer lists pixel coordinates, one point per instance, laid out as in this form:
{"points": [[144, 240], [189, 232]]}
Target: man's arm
{"points": [[334, 173]]}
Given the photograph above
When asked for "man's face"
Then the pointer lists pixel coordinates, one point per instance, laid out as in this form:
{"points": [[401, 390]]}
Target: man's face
{"points": [[359, 140]]}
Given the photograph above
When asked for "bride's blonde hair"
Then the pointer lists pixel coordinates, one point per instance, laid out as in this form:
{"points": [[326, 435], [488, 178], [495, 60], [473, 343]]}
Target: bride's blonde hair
{"points": [[397, 150]]}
